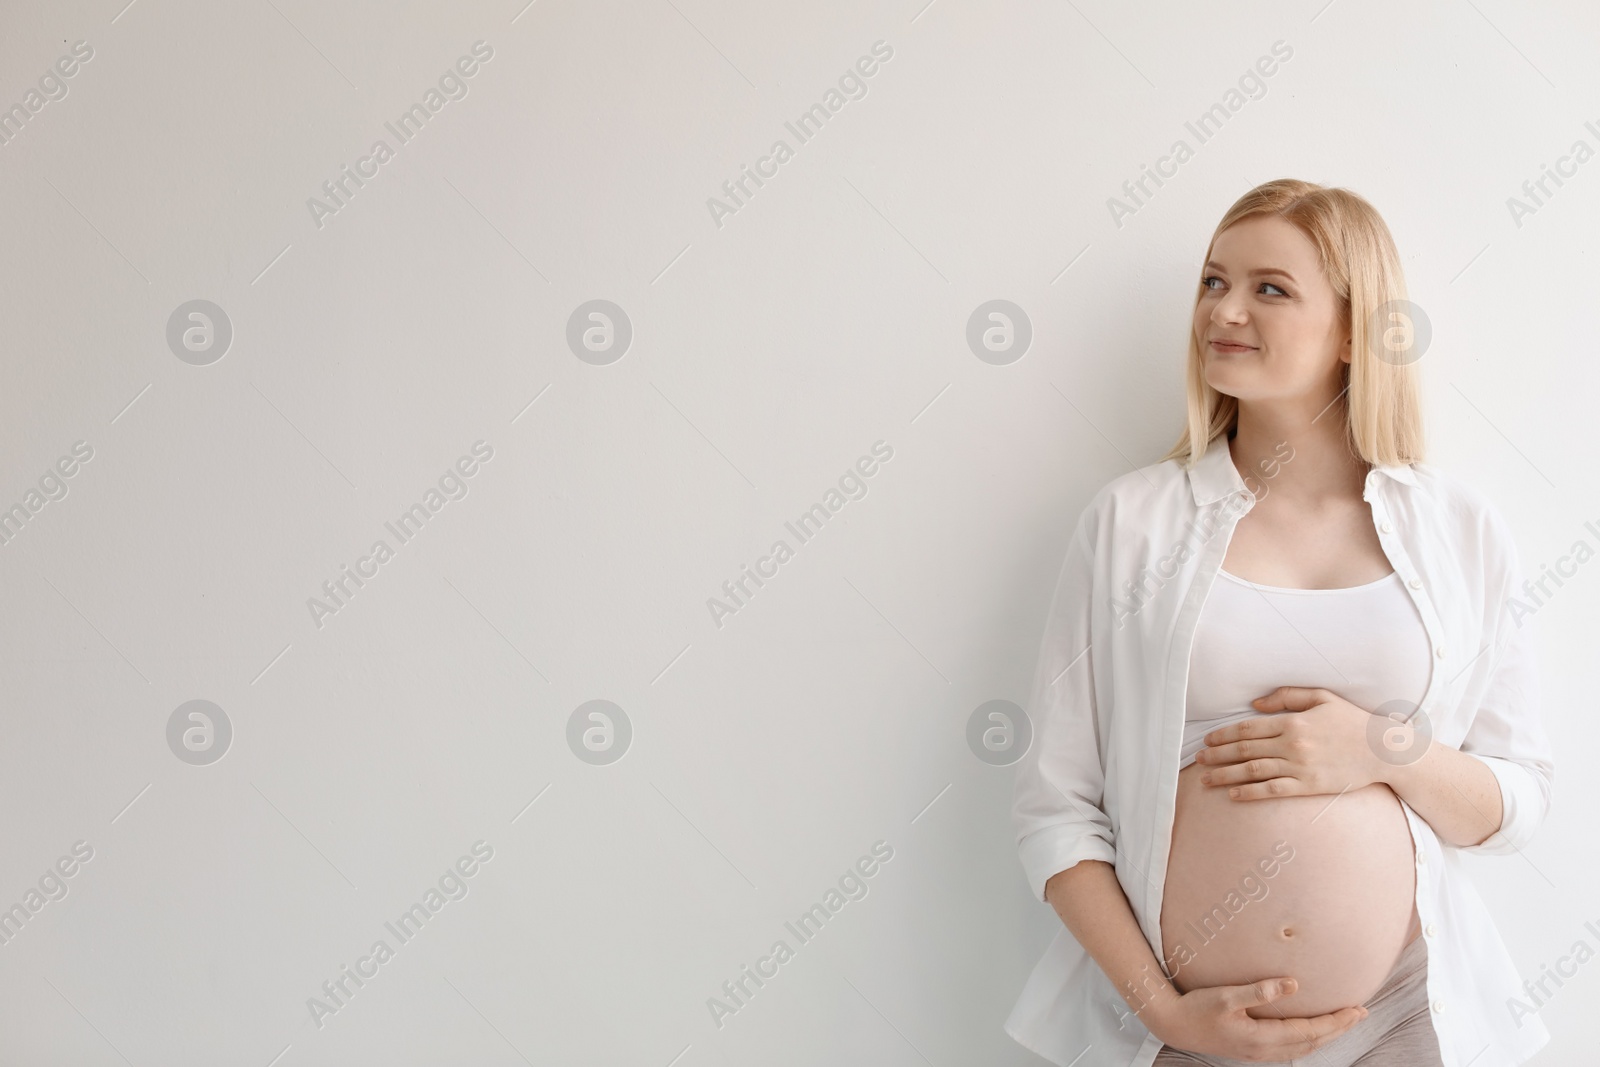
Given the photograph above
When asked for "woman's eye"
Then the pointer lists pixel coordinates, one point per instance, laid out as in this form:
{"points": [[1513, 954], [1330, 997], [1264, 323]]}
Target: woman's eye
{"points": [[1205, 283]]}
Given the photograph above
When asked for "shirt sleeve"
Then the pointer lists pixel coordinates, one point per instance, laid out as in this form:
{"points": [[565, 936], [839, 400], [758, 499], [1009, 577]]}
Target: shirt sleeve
{"points": [[1060, 781], [1507, 732]]}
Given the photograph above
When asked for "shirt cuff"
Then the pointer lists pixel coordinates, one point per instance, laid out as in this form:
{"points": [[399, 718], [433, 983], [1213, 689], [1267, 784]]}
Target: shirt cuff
{"points": [[1051, 850], [1522, 806]]}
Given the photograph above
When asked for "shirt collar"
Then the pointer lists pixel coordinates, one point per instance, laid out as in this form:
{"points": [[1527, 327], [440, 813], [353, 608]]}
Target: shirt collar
{"points": [[1214, 476]]}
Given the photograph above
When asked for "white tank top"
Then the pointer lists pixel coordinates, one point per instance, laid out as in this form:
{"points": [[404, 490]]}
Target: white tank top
{"points": [[1366, 643]]}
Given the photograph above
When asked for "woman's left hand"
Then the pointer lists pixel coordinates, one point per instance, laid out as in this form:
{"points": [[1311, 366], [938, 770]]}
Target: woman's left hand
{"points": [[1324, 747]]}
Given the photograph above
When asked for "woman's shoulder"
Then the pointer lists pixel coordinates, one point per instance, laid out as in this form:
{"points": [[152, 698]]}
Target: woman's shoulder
{"points": [[1470, 509], [1454, 493], [1153, 493]]}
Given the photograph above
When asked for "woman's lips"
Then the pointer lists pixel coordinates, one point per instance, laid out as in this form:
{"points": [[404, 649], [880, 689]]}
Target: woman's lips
{"points": [[1222, 346]]}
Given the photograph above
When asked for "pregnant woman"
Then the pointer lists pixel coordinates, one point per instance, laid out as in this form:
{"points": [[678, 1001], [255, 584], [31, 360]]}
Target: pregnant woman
{"points": [[1285, 683]]}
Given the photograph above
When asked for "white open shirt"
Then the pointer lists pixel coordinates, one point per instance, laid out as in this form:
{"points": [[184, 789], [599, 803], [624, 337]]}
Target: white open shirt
{"points": [[1100, 778]]}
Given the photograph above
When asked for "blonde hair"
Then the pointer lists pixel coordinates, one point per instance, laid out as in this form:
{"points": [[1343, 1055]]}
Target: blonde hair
{"points": [[1382, 403]]}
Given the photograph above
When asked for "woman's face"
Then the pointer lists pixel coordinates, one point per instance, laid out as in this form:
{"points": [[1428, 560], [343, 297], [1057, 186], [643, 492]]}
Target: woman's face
{"points": [[1264, 288]]}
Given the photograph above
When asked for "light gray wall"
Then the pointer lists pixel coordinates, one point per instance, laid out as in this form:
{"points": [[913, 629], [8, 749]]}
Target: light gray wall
{"points": [[771, 348]]}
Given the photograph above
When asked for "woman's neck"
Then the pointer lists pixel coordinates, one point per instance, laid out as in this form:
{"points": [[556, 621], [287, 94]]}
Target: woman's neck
{"points": [[1304, 458]]}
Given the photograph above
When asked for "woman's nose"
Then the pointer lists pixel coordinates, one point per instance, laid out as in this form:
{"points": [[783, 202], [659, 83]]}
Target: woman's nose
{"points": [[1230, 309]]}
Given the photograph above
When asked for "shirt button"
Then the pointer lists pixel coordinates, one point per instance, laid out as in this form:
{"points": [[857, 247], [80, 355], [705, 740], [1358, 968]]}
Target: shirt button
{"points": [[1430, 929], [1440, 650], [1438, 1005], [1386, 528], [1416, 583], [1422, 858]]}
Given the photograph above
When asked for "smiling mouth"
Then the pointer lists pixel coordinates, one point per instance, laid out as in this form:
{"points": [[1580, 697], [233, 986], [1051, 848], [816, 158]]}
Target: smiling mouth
{"points": [[1223, 346]]}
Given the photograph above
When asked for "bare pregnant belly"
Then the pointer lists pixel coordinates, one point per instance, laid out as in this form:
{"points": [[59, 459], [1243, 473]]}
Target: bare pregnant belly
{"points": [[1261, 888]]}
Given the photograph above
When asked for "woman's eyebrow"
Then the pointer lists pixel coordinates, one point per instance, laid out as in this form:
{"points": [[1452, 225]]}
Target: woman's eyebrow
{"points": [[1278, 271]]}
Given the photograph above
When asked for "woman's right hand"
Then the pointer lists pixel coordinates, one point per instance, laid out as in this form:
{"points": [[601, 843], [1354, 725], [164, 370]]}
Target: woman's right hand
{"points": [[1213, 1021]]}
